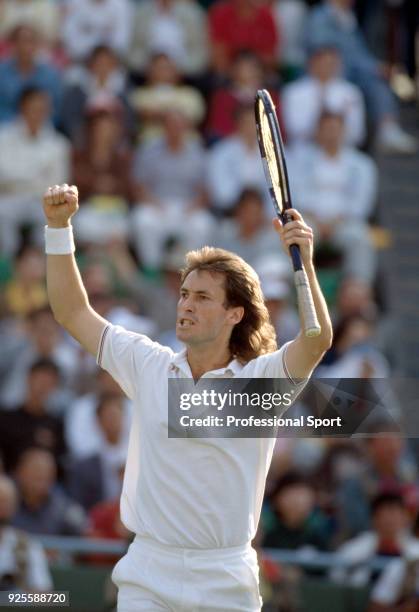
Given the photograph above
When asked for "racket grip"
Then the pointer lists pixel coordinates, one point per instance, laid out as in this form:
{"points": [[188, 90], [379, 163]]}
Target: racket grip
{"points": [[306, 305]]}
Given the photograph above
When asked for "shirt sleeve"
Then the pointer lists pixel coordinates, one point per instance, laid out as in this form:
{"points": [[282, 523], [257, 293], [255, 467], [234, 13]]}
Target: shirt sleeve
{"points": [[39, 577], [386, 590], [274, 366], [123, 353]]}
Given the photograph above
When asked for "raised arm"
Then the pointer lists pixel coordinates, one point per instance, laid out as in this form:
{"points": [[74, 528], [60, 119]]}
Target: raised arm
{"points": [[304, 353], [67, 295]]}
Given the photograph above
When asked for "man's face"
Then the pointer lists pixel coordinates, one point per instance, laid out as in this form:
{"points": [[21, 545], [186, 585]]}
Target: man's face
{"points": [[331, 132], [36, 474], [245, 125], [390, 521], [325, 64], [175, 124], [247, 72], [384, 451], [295, 504], [36, 110], [202, 315], [250, 214], [41, 384], [163, 70], [103, 64], [111, 419], [354, 297], [26, 43], [44, 332]]}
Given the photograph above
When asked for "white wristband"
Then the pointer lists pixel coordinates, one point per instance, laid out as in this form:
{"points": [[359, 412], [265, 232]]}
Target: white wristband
{"points": [[59, 241]]}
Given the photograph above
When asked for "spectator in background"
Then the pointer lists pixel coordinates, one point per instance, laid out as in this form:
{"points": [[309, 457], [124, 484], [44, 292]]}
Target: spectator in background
{"points": [[171, 198], [173, 27], [274, 274], [101, 165], [102, 171], [160, 299], [44, 508], [95, 478], [335, 186], [40, 157], [26, 290], [42, 338], [234, 163], [355, 297], [100, 81], [130, 285], [23, 563], [44, 15], [164, 89], [82, 432], [353, 354], [249, 232], [26, 68], [292, 520], [339, 459], [89, 23], [31, 424], [387, 466], [105, 522], [322, 89], [397, 588], [236, 25], [99, 276], [290, 18], [246, 77], [334, 22], [390, 536]]}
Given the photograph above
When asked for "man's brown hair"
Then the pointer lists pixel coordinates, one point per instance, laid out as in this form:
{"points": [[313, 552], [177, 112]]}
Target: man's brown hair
{"points": [[254, 335]]}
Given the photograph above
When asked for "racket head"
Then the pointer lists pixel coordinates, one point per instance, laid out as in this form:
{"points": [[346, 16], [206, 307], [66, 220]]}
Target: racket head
{"points": [[272, 152]]}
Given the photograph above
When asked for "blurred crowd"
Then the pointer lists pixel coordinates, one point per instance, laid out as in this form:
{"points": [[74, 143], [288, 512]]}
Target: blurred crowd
{"points": [[147, 106]]}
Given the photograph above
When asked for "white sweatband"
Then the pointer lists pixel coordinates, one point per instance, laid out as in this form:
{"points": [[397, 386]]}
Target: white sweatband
{"points": [[59, 241]]}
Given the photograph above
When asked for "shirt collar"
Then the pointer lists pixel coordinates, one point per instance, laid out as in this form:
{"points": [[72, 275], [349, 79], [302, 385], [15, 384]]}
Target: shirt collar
{"points": [[22, 129], [179, 361]]}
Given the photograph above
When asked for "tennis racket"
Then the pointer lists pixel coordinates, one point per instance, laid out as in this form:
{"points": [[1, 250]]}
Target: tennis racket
{"points": [[273, 159]]}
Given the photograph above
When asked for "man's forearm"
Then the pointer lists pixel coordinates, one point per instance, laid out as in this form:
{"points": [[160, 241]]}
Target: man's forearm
{"points": [[324, 340], [66, 292]]}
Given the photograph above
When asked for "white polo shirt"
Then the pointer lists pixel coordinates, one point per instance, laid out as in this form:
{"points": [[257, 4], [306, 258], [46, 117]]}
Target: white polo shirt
{"points": [[190, 493]]}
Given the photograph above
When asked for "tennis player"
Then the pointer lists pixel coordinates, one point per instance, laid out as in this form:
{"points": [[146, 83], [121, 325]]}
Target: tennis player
{"points": [[193, 504]]}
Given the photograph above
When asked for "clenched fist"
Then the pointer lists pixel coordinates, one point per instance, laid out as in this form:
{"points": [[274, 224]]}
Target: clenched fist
{"points": [[296, 232], [60, 204]]}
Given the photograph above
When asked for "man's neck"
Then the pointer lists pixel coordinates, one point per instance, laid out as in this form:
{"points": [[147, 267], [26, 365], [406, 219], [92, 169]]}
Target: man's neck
{"points": [[322, 79], [32, 131], [25, 66], [206, 359], [112, 439], [34, 408], [247, 233], [175, 144], [34, 502], [331, 152]]}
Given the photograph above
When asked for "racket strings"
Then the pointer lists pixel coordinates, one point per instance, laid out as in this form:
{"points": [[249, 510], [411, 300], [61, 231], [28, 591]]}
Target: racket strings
{"points": [[270, 155]]}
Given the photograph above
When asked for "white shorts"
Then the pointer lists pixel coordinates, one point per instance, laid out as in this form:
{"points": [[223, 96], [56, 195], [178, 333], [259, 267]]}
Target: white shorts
{"points": [[158, 578]]}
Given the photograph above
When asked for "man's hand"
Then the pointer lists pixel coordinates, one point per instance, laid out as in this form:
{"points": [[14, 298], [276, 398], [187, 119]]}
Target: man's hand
{"points": [[296, 232], [60, 204]]}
